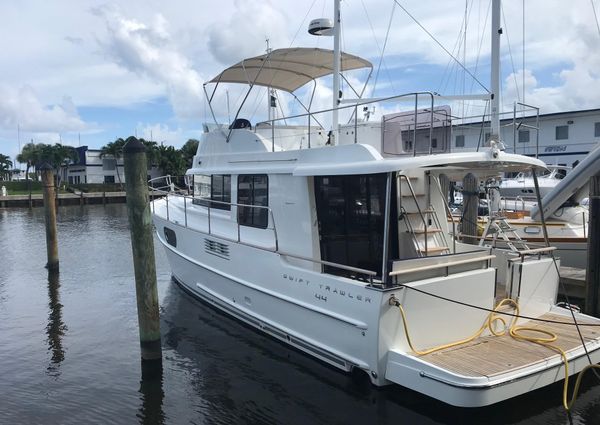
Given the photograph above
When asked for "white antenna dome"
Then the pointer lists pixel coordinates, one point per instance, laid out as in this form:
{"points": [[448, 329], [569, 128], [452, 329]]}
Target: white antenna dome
{"points": [[321, 26]]}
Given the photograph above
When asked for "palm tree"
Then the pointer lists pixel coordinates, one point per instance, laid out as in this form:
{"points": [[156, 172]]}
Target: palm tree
{"points": [[60, 157], [188, 150], [114, 150], [5, 166], [29, 155]]}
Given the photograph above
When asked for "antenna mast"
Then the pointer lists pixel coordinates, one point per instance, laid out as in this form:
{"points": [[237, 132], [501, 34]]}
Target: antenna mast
{"points": [[495, 77]]}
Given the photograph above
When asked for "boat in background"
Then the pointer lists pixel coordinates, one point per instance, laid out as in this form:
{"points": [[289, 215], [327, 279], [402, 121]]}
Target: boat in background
{"points": [[521, 187]]}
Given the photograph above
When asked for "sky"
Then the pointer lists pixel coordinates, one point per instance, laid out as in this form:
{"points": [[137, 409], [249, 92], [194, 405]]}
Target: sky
{"points": [[87, 72]]}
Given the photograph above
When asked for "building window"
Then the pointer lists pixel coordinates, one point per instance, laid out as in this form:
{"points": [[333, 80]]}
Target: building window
{"points": [[523, 136], [109, 164], [109, 179], [213, 188], [460, 141], [562, 132], [597, 129], [434, 143], [253, 190]]}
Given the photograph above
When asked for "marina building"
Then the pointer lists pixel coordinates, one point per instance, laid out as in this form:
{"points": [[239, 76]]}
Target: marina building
{"points": [[560, 138]]}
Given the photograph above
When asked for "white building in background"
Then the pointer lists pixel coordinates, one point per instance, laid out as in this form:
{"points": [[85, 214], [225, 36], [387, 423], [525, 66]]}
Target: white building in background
{"points": [[92, 168], [563, 139]]}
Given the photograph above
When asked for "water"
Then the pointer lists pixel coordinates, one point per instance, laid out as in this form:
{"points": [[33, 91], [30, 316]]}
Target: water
{"points": [[69, 349]]}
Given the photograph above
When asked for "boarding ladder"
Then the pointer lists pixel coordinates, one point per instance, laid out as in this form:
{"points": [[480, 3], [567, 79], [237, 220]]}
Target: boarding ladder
{"points": [[497, 228], [421, 223]]}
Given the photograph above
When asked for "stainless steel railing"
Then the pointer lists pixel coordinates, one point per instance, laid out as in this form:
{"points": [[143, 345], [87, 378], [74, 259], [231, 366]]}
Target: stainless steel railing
{"points": [[171, 190]]}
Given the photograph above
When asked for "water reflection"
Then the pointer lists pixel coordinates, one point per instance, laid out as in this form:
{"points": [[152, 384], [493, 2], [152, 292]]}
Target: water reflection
{"points": [[152, 394], [56, 328]]}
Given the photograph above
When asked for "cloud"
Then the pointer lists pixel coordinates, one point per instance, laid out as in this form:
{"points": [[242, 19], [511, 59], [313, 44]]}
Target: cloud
{"points": [[22, 107], [148, 50], [244, 34], [577, 84]]}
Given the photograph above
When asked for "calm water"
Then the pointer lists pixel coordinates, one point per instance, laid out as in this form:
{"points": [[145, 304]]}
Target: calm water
{"points": [[69, 350]]}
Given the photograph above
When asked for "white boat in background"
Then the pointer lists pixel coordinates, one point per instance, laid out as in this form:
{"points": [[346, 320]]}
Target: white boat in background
{"points": [[338, 244], [521, 186], [566, 215]]}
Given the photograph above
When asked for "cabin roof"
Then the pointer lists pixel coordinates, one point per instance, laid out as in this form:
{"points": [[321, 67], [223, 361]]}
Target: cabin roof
{"points": [[359, 159], [288, 69]]}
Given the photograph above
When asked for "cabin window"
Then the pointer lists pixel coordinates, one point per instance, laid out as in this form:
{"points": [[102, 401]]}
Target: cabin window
{"points": [[460, 141], [351, 217], [562, 132], [109, 179], [597, 129], [213, 188], [253, 190], [523, 136]]}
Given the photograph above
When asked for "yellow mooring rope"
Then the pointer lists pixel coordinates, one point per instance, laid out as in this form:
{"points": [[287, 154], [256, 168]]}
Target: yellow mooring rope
{"points": [[515, 332]]}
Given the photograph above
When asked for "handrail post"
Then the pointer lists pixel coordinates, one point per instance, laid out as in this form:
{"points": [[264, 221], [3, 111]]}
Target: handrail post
{"points": [[431, 127], [415, 129], [309, 130], [356, 123], [209, 230], [274, 230], [167, 201], [273, 135], [185, 209]]}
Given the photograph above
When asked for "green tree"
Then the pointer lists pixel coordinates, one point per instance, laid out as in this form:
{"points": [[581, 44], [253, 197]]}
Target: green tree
{"points": [[31, 156], [188, 150], [114, 150], [5, 166], [170, 161]]}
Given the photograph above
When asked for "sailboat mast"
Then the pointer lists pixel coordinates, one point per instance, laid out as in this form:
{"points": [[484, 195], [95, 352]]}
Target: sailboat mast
{"points": [[336, 69], [495, 77]]}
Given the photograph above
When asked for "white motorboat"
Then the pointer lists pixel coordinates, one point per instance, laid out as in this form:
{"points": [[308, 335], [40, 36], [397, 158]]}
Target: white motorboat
{"points": [[521, 186], [338, 246]]}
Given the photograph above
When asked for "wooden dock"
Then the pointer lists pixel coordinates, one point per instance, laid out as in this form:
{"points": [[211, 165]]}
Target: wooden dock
{"points": [[76, 198]]}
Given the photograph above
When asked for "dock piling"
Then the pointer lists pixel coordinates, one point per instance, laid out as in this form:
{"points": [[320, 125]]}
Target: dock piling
{"points": [[592, 301], [50, 217], [142, 244]]}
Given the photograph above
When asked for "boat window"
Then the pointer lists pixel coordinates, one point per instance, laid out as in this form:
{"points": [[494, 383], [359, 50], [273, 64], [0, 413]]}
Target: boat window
{"points": [[350, 211], [523, 136], [253, 190], [220, 191], [597, 129], [213, 188], [460, 141], [562, 132]]}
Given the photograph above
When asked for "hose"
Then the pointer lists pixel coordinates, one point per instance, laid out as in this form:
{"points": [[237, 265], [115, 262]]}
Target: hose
{"points": [[544, 338]]}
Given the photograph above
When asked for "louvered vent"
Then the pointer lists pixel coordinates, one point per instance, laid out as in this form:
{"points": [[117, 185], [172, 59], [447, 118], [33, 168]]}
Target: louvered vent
{"points": [[216, 248]]}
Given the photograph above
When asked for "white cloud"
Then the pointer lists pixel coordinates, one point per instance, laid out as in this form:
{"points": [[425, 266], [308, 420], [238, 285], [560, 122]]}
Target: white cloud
{"points": [[147, 50], [22, 107], [244, 32]]}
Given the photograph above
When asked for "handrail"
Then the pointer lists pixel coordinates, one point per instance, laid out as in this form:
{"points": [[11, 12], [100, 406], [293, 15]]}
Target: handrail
{"points": [[448, 212], [535, 251], [355, 105], [369, 273], [412, 192], [329, 263], [441, 265]]}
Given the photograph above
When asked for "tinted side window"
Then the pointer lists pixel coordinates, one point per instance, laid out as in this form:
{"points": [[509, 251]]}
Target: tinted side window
{"points": [[253, 190]]}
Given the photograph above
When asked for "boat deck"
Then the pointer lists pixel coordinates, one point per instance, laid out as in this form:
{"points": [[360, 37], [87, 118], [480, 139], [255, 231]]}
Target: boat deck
{"points": [[491, 355]]}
